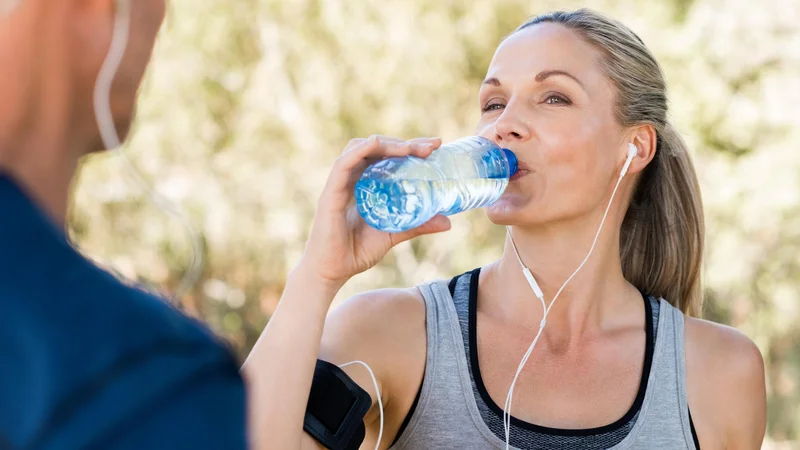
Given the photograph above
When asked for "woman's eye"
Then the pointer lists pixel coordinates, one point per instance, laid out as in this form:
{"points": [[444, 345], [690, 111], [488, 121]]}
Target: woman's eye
{"points": [[492, 107], [556, 99]]}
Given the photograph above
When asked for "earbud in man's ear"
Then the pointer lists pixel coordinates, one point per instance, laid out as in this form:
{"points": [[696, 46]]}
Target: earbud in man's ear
{"points": [[632, 151]]}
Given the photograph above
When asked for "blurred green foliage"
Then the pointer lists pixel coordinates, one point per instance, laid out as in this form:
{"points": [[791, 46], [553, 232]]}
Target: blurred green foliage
{"points": [[248, 103]]}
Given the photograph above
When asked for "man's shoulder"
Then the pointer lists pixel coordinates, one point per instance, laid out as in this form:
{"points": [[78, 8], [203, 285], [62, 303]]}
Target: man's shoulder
{"points": [[81, 336], [86, 307]]}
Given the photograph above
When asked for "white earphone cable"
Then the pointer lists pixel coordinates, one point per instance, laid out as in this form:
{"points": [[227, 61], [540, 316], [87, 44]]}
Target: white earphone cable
{"points": [[377, 394], [510, 397], [111, 140]]}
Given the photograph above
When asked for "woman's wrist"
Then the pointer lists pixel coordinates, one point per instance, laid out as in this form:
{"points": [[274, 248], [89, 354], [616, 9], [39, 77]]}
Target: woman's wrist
{"points": [[304, 275]]}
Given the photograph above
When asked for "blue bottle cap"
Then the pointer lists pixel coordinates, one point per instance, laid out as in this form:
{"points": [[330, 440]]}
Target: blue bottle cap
{"points": [[512, 161]]}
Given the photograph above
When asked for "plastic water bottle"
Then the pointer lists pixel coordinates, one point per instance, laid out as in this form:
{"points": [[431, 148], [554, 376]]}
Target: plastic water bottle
{"points": [[398, 194]]}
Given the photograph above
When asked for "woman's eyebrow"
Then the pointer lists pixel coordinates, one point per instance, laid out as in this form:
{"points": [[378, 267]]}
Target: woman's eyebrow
{"points": [[541, 76]]}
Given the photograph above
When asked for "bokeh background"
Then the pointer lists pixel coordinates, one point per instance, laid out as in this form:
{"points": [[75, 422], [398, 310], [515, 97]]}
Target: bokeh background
{"points": [[248, 103]]}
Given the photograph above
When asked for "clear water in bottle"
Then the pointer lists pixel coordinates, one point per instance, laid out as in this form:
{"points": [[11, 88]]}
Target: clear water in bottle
{"points": [[398, 194]]}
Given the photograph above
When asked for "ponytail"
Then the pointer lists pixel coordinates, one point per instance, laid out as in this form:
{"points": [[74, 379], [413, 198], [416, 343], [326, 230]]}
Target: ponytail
{"points": [[661, 240]]}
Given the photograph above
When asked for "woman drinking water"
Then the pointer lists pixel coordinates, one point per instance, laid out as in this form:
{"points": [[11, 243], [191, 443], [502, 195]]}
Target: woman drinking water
{"points": [[605, 184]]}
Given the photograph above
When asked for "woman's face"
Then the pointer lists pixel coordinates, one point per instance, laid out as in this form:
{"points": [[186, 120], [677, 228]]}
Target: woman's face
{"points": [[547, 99]]}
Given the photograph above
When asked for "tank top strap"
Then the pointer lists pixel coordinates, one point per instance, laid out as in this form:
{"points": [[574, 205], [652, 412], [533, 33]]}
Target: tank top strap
{"points": [[443, 409], [680, 369], [664, 417]]}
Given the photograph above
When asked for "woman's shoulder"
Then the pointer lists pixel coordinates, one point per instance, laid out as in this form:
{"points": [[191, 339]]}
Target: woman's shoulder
{"points": [[378, 309], [725, 383], [723, 350], [385, 325], [386, 329]]}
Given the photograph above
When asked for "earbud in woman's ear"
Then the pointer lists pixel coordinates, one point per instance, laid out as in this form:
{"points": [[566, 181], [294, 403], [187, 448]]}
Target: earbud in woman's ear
{"points": [[632, 151]]}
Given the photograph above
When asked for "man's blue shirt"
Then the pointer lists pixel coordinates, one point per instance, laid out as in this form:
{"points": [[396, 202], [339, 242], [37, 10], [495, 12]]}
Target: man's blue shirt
{"points": [[88, 362]]}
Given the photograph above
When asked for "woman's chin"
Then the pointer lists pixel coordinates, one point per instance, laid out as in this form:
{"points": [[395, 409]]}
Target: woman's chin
{"points": [[504, 211]]}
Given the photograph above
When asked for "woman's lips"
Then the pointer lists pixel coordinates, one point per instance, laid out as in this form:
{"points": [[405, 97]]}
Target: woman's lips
{"points": [[520, 173], [522, 170]]}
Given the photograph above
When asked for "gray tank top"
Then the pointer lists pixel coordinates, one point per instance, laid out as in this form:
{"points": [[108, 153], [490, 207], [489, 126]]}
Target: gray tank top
{"points": [[447, 414]]}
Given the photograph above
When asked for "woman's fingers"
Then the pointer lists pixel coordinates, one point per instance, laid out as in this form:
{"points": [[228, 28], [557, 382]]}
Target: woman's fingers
{"points": [[436, 225], [377, 146], [360, 152]]}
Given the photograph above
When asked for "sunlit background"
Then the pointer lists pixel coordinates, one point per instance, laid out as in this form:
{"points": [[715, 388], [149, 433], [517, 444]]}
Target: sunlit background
{"points": [[249, 102]]}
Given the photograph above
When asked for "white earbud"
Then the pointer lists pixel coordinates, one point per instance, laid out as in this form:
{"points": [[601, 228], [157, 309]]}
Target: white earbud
{"points": [[632, 151]]}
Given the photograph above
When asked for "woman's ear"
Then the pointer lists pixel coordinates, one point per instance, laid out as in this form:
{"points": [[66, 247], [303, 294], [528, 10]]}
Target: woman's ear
{"points": [[644, 137]]}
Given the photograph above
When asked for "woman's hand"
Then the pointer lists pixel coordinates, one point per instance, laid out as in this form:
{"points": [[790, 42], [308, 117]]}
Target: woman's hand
{"points": [[281, 365], [341, 244]]}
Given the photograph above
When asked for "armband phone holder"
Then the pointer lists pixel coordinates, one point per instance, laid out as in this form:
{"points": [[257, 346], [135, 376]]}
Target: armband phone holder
{"points": [[336, 409]]}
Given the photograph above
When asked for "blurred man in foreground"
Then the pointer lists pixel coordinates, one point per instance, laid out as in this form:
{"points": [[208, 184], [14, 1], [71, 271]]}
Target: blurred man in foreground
{"points": [[86, 361]]}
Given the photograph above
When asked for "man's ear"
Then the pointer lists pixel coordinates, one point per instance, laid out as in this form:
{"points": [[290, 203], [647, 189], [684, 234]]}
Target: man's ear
{"points": [[88, 14], [91, 27]]}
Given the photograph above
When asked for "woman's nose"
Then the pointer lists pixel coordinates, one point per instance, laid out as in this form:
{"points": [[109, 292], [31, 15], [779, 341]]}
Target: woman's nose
{"points": [[510, 127]]}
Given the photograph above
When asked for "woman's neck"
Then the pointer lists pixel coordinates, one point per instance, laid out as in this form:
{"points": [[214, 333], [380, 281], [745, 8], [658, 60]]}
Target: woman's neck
{"points": [[589, 303]]}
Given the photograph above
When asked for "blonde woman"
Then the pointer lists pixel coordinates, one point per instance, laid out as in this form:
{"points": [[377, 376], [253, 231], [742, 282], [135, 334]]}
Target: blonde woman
{"points": [[622, 363]]}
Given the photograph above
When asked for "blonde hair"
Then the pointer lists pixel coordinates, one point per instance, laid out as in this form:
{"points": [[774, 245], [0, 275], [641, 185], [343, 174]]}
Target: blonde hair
{"points": [[661, 240]]}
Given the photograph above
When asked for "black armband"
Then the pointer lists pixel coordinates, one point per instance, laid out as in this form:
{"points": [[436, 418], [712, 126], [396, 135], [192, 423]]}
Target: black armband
{"points": [[336, 409]]}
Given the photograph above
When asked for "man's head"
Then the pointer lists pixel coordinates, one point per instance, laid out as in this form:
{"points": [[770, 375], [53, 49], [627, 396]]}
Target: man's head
{"points": [[51, 52]]}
